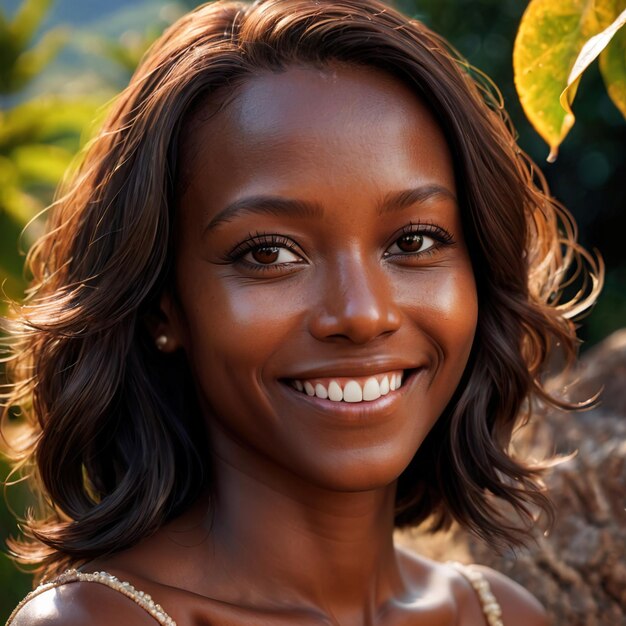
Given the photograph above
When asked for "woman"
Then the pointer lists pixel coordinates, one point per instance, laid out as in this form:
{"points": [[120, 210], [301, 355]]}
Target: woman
{"points": [[294, 298]]}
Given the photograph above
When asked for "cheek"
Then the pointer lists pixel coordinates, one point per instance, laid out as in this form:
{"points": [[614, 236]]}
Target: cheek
{"points": [[236, 324], [444, 306], [233, 330], [456, 302], [447, 317]]}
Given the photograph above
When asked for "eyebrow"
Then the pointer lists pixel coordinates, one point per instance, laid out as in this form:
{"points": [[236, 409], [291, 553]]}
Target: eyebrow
{"points": [[399, 200], [277, 205]]}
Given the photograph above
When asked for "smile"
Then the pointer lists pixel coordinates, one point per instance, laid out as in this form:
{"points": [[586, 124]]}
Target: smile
{"points": [[353, 390]]}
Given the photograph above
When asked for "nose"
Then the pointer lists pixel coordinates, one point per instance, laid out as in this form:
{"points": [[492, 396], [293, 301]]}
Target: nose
{"points": [[355, 303]]}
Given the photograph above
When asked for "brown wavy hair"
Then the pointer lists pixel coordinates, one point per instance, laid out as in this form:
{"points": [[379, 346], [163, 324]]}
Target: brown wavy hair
{"points": [[112, 429]]}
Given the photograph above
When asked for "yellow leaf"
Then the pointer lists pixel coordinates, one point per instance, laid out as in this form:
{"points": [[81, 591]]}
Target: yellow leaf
{"points": [[589, 52], [549, 39], [613, 69]]}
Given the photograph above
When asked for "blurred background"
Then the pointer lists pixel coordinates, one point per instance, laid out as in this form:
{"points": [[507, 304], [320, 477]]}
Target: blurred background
{"points": [[62, 61]]}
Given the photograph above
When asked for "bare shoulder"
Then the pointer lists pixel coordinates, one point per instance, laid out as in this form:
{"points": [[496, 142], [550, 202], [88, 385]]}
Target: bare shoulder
{"points": [[80, 603], [519, 606]]}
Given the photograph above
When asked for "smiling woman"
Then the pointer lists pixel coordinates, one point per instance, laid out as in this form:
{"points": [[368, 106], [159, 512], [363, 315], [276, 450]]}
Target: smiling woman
{"points": [[294, 298]]}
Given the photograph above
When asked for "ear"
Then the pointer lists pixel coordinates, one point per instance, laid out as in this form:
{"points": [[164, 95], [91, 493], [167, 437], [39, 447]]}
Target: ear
{"points": [[164, 324]]}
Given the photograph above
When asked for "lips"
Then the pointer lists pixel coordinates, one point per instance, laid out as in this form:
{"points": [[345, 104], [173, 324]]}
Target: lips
{"points": [[350, 389]]}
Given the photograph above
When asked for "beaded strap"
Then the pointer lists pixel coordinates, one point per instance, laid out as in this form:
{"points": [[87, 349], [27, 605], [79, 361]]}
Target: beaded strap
{"points": [[104, 578], [490, 606]]}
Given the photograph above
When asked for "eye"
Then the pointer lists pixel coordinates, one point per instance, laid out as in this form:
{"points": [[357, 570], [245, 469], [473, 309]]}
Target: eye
{"points": [[411, 243], [270, 255], [264, 251]]}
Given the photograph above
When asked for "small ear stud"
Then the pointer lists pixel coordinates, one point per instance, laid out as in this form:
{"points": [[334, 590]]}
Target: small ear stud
{"points": [[161, 341]]}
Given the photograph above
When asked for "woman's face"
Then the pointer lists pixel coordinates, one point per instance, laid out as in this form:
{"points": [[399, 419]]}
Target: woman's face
{"points": [[320, 249]]}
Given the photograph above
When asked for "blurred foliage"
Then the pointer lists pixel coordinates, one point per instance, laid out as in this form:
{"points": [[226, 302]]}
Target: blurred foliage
{"points": [[556, 42], [40, 137], [20, 62], [128, 50], [38, 141]]}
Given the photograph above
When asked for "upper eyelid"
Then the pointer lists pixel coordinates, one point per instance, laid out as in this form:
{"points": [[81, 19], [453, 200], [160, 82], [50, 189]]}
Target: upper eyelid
{"points": [[261, 239], [429, 227]]}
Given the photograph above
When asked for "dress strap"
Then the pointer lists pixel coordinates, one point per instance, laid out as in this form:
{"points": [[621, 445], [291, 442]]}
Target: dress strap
{"points": [[491, 608], [104, 578]]}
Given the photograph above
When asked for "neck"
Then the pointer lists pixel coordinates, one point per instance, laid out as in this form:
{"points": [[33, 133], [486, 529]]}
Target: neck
{"points": [[280, 542]]}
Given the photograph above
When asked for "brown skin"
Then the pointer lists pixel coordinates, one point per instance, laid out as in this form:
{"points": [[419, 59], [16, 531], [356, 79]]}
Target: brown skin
{"points": [[303, 524]]}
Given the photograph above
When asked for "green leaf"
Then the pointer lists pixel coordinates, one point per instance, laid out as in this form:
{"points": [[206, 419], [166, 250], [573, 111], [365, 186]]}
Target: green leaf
{"points": [[41, 163], [31, 62], [549, 39], [20, 60], [47, 120], [20, 206], [11, 262], [613, 69], [589, 52], [28, 19]]}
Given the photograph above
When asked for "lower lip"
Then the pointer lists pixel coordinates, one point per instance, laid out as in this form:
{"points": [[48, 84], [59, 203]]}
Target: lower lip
{"points": [[381, 408]]}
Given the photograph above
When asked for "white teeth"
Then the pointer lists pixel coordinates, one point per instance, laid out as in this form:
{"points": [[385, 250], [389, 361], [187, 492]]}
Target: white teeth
{"points": [[384, 386], [320, 391], [334, 392], [371, 390], [352, 392]]}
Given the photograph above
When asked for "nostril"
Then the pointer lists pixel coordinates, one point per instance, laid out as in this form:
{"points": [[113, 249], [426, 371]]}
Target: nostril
{"points": [[357, 328]]}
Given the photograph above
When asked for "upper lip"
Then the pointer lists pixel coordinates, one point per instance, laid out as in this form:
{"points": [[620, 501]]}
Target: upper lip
{"points": [[356, 370]]}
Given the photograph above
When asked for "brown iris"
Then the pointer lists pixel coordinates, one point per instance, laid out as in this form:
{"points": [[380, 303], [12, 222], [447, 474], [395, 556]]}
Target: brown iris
{"points": [[266, 254], [411, 242]]}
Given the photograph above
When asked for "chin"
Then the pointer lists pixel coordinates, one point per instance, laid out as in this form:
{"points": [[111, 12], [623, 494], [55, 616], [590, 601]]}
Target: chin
{"points": [[361, 470]]}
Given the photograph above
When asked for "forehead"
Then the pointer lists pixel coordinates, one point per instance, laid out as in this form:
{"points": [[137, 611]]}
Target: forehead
{"points": [[336, 100], [307, 123]]}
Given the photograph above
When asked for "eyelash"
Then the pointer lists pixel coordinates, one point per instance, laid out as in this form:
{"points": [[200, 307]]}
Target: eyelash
{"points": [[259, 240]]}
